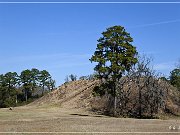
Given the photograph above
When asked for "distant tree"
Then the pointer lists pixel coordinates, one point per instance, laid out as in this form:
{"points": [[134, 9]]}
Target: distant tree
{"points": [[175, 77], [73, 77], [50, 83], [3, 91], [27, 82], [35, 78], [88, 77], [1, 79], [114, 55], [11, 80], [91, 77], [43, 78], [8, 89], [83, 78]]}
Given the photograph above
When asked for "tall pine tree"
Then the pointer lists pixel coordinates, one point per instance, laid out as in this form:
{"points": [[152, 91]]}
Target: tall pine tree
{"points": [[114, 55]]}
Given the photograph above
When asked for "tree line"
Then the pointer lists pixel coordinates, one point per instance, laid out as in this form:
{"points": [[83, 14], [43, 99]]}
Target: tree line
{"points": [[30, 84]]}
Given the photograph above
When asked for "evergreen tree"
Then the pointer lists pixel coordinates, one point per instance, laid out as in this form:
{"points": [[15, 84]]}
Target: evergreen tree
{"points": [[26, 79], [114, 55], [43, 78], [175, 77], [35, 78]]}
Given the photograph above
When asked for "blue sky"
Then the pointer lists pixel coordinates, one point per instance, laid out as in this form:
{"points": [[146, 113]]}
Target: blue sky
{"points": [[62, 37]]}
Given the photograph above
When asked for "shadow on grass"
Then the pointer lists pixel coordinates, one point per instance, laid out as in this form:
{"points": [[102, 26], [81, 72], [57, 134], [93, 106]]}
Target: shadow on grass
{"points": [[75, 114], [79, 114]]}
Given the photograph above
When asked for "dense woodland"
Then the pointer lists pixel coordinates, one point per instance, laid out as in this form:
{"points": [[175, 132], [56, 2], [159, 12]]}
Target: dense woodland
{"points": [[20, 89]]}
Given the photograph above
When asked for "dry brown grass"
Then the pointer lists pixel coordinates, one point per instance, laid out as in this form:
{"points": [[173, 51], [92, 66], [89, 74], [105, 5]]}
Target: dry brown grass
{"points": [[66, 110], [55, 119]]}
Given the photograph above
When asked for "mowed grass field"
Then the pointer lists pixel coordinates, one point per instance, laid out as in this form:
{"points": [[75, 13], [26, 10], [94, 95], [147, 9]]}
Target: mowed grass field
{"points": [[55, 120]]}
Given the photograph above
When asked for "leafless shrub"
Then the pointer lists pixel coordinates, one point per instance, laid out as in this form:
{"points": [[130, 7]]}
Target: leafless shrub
{"points": [[141, 93]]}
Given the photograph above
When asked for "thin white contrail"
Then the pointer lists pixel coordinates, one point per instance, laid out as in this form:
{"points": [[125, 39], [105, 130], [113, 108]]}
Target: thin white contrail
{"points": [[158, 23]]}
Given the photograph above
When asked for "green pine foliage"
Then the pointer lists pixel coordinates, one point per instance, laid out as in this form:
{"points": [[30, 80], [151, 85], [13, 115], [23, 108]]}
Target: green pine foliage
{"points": [[175, 78], [114, 56], [15, 89], [115, 53]]}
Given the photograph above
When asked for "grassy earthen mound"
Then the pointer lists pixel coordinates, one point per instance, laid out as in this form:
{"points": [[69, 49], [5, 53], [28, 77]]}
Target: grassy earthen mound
{"points": [[78, 94], [74, 94]]}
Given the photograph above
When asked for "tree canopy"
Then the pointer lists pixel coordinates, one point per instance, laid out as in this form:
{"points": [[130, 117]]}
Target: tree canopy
{"points": [[27, 85], [175, 77], [114, 55]]}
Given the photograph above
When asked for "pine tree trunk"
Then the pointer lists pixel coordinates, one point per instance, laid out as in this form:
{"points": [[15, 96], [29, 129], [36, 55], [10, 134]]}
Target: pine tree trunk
{"points": [[140, 102], [26, 95], [115, 101], [16, 99], [43, 90]]}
